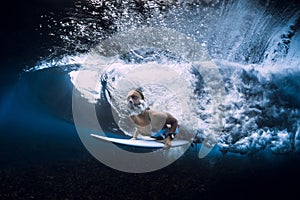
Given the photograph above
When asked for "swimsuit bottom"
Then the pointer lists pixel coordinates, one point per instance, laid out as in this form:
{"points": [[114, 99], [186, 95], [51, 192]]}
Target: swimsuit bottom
{"points": [[163, 133]]}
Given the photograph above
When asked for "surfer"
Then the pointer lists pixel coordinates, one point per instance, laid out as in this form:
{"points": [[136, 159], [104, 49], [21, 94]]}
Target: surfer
{"points": [[159, 125]]}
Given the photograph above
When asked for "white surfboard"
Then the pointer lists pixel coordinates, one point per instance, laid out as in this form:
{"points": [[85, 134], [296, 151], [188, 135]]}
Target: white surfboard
{"points": [[145, 142]]}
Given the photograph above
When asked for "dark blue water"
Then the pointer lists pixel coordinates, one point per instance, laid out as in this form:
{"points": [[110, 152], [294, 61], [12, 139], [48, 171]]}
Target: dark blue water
{"points": [[37, 130]]}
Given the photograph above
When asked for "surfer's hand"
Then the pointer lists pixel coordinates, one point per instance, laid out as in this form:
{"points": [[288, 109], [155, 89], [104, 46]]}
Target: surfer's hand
{"points": [[167, 143], [133, 138]]}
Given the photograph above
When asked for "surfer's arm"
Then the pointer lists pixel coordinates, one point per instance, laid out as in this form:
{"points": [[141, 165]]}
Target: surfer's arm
{"points": [[173, 123], [135, 135]]}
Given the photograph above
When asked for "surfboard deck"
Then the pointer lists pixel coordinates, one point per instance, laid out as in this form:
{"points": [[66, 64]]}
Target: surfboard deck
{"points": [[145, 142]]}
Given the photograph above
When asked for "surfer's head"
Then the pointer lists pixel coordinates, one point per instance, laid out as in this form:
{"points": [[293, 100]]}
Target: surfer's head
{"points": [[136, 102]]}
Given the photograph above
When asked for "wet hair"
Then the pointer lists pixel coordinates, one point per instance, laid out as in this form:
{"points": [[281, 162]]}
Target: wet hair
{"points": [[140, 91]]}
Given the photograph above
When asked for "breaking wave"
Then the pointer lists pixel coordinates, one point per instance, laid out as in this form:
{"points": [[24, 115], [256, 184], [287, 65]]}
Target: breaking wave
{"points": [[254, 45]]}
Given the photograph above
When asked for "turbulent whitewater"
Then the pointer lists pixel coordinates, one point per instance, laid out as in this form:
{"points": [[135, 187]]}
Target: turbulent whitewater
{"points": [[254, 45]]}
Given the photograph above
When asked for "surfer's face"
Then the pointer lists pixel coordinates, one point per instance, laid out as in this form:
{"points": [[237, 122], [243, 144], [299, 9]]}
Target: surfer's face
{"points": [[134, 98], [136, 103]]}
